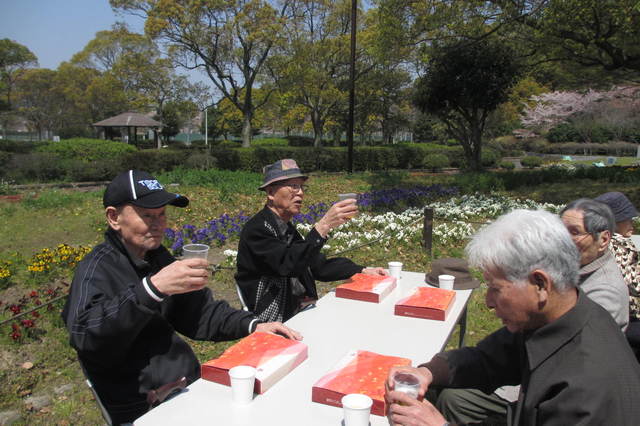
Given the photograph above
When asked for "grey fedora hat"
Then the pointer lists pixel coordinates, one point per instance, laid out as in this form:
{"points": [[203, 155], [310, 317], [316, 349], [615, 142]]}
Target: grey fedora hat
{"points": [[281, 170], [459, 268]]}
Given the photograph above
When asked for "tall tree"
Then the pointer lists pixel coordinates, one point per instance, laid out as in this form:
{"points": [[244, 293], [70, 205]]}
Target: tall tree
{"points": [[14, 60], [592, 33], [229, 40], [38, 100], [465, 82]]}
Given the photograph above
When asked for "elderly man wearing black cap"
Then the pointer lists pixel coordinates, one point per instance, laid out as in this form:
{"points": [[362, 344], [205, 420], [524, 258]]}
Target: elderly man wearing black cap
{"points": [[130, 296], [277, 267]]}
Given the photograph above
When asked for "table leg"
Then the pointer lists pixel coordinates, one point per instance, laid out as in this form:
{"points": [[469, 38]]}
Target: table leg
{"points": [[463, 327]]}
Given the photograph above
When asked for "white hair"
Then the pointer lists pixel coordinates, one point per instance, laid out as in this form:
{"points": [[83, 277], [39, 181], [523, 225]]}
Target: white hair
{"points": [[524, 240]]}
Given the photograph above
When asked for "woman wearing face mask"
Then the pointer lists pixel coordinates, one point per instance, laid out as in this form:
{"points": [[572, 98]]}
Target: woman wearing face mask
{"points": [[627, 257]]}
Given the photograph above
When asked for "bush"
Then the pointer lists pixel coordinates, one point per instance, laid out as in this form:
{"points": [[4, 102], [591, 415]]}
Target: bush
{"points": [[36, 167], [299, 140], [269, 142], [436, 162], [5, 157], [154, 160], [563, 132], [19, 147], [531, 162], [201, 161], [507, 165], [87, 150]]}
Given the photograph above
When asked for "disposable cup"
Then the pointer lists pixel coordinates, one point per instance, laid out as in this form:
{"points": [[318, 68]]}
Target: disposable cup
{"points": [[394, 269], [195, 251], [349, 196], [242, 380], [446, 281], [357, 409], [406, 383]]}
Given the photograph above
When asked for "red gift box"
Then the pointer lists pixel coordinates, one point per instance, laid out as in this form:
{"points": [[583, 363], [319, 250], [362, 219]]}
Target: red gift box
{"points": [[369, 288], [426, 302], [358, 372], [273, 357]]}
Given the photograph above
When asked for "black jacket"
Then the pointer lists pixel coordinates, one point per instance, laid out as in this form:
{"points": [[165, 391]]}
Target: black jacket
{"points": [[127, 341], [264, 254], [577, 369]]}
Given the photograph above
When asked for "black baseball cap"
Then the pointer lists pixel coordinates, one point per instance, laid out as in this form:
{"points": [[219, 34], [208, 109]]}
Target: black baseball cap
{"points": [[140, 189]]}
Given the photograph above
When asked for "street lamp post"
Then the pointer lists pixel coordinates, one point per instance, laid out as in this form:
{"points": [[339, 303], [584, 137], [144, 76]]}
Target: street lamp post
{"points": [[352, 77]]}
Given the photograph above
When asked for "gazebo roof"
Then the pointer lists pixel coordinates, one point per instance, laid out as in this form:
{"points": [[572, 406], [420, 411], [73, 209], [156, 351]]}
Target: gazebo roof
{"points": [[128, 119]]}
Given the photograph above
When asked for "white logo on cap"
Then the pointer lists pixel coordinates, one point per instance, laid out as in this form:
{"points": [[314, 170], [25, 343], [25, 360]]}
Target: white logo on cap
{"points": [[150, 184]]}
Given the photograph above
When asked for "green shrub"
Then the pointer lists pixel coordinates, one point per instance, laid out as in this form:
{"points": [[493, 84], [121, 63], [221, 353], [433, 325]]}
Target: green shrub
{"points": [[531, 161], [436, 161], [299, 140], [36, 167], [5, 158], [269, 142], [200, 161], [507, 165], [154, 160], [563, 132], [19, 147], [87, 149]]}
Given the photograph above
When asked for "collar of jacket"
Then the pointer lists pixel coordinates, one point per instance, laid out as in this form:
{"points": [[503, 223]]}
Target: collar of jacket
{"points": [[545, 341]]}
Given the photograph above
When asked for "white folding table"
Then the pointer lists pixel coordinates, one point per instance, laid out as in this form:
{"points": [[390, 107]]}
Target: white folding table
{"points": [[331, 329]]}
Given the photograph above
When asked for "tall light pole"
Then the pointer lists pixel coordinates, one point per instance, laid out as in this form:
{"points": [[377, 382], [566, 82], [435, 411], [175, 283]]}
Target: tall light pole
{"points": [[206, 127], [352, 84]]}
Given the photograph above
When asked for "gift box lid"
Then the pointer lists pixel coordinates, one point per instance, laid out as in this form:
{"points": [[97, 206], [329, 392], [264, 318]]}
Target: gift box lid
{"points": [[428, 297], [361, 372], [256, 350], [368, 283]]}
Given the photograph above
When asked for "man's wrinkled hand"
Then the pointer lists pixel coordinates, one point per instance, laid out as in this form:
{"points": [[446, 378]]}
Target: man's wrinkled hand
{"points": [[182, 276], [279, 328], [407, 411]]}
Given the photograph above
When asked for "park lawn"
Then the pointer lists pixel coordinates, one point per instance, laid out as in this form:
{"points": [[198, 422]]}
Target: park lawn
{"points": [[48, 218]]}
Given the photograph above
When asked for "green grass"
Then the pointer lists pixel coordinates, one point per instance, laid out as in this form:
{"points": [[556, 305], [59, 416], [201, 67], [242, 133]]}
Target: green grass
{"points": [[50, 217]]}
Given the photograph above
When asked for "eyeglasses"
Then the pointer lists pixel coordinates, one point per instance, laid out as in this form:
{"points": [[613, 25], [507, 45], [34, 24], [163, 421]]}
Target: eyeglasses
{"points": [[577, 235], [295, 187]]}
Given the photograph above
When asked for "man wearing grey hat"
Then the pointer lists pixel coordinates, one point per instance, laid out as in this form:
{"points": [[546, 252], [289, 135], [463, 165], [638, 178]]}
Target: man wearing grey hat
{"points": [[277, 267], [130, 297]]}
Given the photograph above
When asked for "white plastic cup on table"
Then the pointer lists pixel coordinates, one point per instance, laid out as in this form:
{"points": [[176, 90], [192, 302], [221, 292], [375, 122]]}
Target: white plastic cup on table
{"points": [[356, 409], [406, 383], [242, 381], [195, 251], [394, 269], [446, 281]]}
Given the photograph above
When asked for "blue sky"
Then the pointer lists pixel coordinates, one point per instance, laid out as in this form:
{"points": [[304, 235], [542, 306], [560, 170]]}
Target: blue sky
{"points": [[54, 30]]}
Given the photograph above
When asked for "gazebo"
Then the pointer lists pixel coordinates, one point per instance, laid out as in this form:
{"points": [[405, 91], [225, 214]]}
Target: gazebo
{"points": [[130, 120]]}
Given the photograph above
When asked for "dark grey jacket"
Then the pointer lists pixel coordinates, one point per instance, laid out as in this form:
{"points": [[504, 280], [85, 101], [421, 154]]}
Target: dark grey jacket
{"points": [[577, 370], [126, 340]]}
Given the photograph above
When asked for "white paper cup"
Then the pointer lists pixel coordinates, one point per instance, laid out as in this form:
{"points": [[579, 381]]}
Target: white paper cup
{"points": [[394, 269], [195, 251], [356, 408], [242, 380], [446, 281], [406, 383]]}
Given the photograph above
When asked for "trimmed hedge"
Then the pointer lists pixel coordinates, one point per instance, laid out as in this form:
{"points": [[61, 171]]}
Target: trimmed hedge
{"points": [[531, 162], [87, 150]]}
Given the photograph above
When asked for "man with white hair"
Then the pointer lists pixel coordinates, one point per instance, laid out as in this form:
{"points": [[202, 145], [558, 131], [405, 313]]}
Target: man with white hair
{"points": [[573, 364], [591, 225]]}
